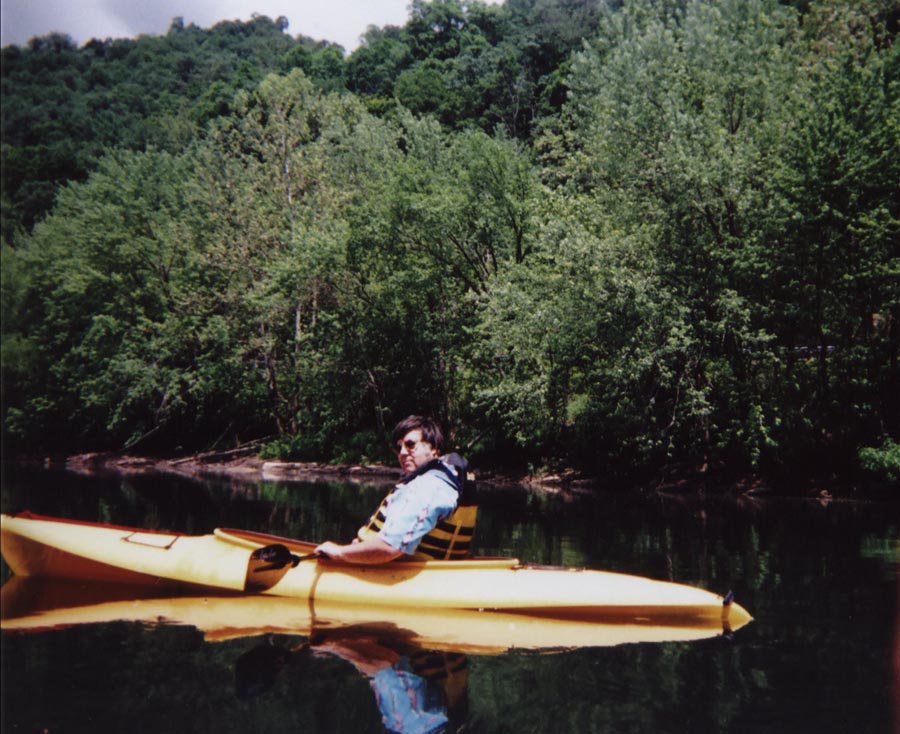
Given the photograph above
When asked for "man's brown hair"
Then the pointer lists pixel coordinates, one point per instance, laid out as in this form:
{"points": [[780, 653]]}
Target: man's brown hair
{"points": [[431, 431]]}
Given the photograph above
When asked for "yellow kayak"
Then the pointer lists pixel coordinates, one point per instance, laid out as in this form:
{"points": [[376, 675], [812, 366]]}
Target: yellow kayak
{"points": [[36, 604], [248, 562]]}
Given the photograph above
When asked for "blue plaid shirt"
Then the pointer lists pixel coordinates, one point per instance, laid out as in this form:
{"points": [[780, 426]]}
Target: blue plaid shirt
{"points": [[414, 509]]}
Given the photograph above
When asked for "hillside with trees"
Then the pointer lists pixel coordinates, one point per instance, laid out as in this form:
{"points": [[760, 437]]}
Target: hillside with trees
{"points": [[646, 240]]}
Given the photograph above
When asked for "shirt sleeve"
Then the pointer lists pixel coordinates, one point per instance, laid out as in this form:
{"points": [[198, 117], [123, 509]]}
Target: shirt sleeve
{"points": [[414, 509]]}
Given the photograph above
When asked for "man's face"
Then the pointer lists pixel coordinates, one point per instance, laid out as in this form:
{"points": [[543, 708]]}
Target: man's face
{"points": [[413, 452]]}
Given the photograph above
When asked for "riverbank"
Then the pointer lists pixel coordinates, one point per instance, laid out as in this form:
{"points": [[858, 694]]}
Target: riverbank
{"points": [[238, 465], [245, 465]]}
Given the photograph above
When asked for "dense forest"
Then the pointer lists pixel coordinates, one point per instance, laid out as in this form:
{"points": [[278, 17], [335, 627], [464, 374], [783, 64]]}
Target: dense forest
{"points": [[643, 239]]}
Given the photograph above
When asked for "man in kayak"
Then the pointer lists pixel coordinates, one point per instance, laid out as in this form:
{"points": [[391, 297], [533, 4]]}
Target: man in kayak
{"points": [[407, 521]]}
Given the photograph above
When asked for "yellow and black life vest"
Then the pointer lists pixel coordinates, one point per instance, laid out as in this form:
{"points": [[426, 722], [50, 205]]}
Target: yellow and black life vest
{"points": [[448, 670], [451, 538]]}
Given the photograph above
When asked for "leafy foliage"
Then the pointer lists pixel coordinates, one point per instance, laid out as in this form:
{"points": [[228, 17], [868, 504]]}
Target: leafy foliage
{"points": [[623, 238], [883, 461]]}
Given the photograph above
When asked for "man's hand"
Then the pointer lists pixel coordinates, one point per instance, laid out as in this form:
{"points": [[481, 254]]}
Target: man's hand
{"points": [[329, 550], [371, 551]]}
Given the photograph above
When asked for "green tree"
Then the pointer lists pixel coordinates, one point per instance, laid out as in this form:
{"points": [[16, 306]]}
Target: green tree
{"points": [[373, 68], [88, 309], [670, 118], [63, 106], [832, 263], [431, 234], [277, 177]]}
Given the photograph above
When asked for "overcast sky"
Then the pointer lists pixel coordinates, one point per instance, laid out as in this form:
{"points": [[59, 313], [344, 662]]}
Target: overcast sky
{"points": [[340, 21]]}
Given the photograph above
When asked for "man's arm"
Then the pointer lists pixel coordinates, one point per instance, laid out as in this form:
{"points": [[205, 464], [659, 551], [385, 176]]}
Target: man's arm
{"points": [[371, 551]]}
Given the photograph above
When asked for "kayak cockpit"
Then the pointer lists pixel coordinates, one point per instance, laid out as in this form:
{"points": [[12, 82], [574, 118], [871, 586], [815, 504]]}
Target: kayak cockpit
{"points": [[254, 540]]}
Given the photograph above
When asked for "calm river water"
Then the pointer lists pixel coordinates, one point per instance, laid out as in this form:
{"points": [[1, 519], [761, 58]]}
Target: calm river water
{"points": [[822, 654]]}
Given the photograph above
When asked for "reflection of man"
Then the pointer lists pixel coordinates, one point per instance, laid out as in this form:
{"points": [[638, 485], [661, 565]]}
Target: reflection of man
{"points": [[409, 703], [421, 517], [417, 691]]}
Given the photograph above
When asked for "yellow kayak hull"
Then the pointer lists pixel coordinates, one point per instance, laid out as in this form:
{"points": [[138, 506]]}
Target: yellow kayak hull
{"points": [[221, 561], [32, 604]]}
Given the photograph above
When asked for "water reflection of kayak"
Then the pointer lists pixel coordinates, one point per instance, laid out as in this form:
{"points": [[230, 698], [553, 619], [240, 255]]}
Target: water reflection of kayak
{"points": [[247, 562], [36, 604]]}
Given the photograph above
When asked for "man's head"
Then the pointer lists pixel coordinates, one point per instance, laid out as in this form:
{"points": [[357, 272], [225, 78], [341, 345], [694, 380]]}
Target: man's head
{"points": [[417, 441]]}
